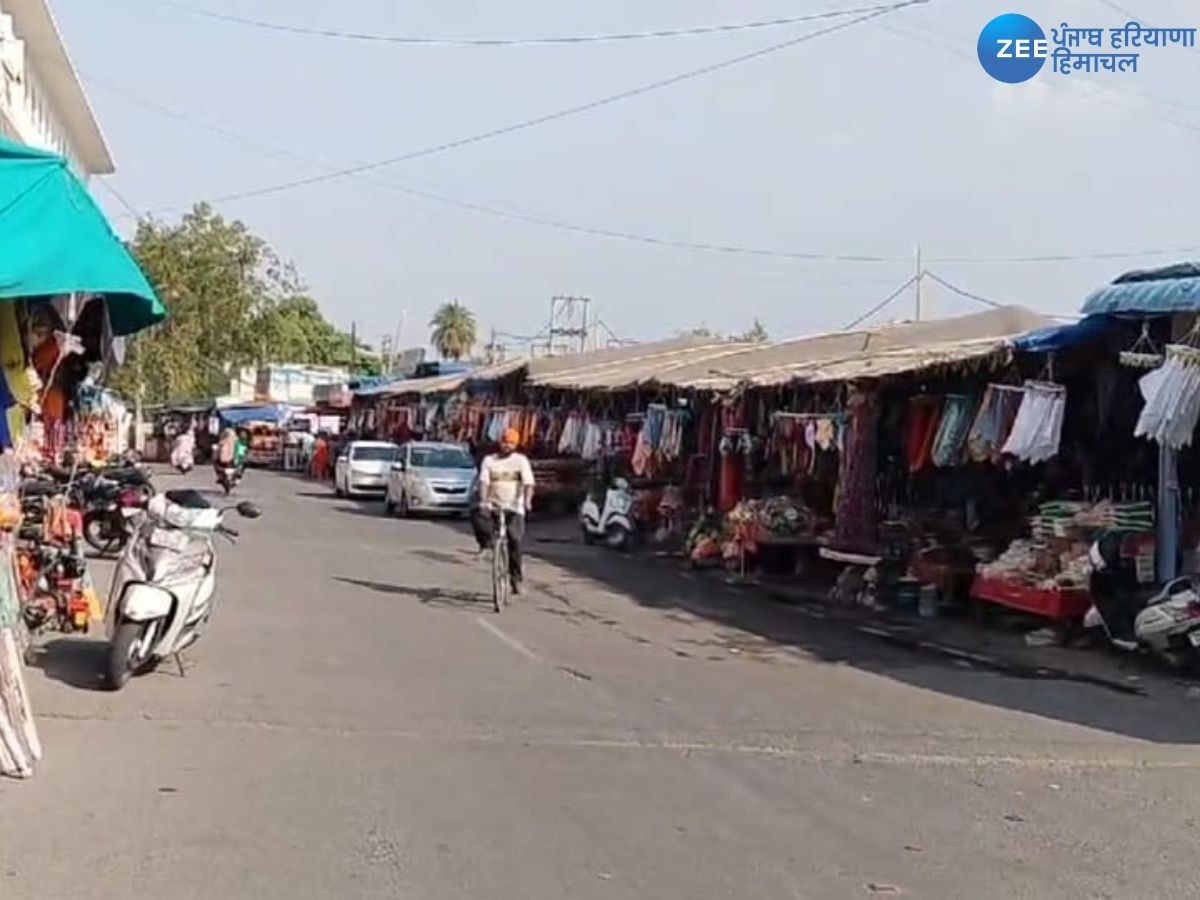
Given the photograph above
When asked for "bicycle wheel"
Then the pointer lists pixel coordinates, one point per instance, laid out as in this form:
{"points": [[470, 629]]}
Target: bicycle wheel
{"points": [[499, 575]]}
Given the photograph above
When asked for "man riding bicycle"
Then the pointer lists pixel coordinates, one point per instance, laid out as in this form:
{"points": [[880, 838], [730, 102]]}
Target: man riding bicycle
{"points": [[505, 483]]}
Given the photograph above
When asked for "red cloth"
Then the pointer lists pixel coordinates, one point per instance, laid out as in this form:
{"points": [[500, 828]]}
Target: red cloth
{"points": [[924, 416]]}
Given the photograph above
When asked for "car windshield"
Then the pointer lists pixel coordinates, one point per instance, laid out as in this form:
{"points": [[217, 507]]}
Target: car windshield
{"points": [[441, 458], [373, 454]]}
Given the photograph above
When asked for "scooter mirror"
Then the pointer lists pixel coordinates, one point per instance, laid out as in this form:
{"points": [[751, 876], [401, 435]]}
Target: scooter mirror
{"points": [[248, 510]]}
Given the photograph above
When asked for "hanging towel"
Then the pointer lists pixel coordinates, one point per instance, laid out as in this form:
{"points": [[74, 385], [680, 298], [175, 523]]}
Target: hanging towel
{"points": [[1037, 431]]}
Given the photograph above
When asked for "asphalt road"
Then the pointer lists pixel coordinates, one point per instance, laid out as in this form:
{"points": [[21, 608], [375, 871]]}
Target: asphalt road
{"points": [[359, 724]]}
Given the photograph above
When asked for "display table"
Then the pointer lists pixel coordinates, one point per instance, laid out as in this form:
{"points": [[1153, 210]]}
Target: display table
{"points": [[1059, 605]]}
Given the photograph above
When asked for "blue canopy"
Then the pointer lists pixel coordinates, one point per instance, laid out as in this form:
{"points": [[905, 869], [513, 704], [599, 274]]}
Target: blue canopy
{"points": [[240, 415], [1152, 292], [1061, 337]]}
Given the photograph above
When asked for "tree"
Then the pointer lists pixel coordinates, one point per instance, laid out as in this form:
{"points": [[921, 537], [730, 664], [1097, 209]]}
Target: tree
{"points": [[757, 333], [453, 332], [231, 302]]}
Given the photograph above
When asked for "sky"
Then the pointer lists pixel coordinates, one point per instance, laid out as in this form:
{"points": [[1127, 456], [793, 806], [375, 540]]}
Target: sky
{"points": [[870, 141]]}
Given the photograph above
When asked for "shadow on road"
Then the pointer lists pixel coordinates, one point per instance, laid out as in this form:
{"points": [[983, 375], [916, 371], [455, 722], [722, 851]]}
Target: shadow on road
{"points": [[76, 662], [445, 598], [1092, 693]]}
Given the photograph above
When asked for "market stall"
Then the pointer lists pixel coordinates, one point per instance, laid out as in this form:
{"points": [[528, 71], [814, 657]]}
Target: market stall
{"points": [[68, 287]]}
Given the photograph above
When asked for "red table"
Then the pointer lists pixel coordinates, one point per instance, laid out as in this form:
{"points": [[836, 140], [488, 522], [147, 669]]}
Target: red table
{"points": [[1060, 605]]}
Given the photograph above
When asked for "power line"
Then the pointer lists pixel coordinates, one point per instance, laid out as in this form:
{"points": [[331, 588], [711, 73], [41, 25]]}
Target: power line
{"points": [[543, 40], [112, 189], [881, 304], [527, 124], [962, 292], [554, 223]]}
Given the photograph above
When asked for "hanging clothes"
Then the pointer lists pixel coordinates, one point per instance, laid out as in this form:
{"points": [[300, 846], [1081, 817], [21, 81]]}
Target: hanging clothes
{"points": [[1172, 395], [952, 430], [1037, 431], [924, 417], [855, 516], [993, 423]]}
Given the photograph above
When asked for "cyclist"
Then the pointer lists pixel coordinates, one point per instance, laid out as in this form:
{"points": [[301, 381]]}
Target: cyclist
{"points": [[506, 483]]}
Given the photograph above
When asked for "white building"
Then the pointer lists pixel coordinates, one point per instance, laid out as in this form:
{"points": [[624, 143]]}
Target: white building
{"points": [[42, 103]]}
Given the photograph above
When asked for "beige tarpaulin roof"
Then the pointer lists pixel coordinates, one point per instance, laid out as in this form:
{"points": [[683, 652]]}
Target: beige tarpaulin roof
{"points": [[890, 350], [707, 363]]}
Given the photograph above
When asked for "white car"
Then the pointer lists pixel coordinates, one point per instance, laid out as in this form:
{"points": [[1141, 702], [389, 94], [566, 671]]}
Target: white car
{"points": [[363, 468]]}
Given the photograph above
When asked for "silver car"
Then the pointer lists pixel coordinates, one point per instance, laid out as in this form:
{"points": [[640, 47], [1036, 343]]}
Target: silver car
{"points": [[429, 477]]}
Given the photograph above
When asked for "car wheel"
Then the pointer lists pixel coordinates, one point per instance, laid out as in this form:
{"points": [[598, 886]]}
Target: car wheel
{"points": [[389, 508]]}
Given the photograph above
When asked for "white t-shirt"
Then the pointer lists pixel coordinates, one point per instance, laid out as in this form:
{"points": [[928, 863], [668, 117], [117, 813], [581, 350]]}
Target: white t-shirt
{"points": [[502, 480]]}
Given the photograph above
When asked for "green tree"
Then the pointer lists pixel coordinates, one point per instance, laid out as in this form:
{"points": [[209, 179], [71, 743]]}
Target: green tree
{"points": [[231, 302], [453, 333], [757, 333]]}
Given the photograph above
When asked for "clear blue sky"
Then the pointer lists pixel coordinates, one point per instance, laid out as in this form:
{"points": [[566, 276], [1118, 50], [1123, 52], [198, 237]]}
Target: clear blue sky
{"points": [[868, 141]]}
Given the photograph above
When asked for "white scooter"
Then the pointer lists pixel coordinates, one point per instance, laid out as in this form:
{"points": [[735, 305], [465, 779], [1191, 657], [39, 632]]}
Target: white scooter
{"points": [[161, 596], [1165, 623], [613, 523]]}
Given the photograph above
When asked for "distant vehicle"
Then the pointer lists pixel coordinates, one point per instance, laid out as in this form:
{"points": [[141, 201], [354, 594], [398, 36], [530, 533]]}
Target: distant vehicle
{"points": [[430, 477], [362, 468]]}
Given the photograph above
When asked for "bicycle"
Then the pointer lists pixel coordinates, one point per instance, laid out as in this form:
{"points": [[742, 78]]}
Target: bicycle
{"points": [[500, 573]]}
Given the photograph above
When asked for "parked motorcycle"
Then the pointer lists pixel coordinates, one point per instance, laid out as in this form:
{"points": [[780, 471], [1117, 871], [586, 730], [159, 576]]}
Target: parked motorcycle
{"points": [[110, 510], [1162, 622], [612, 523], [162, 592]]}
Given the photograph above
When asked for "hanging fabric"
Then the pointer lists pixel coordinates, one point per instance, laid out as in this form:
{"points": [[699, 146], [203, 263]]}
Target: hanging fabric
{"points": [[924, 416], [993, 423], [855, 518], [1037, 431], [952, 430], [1172, 395]]}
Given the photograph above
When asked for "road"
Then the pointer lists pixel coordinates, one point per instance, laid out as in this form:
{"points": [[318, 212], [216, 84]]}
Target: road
{"points": [[359, 724]]}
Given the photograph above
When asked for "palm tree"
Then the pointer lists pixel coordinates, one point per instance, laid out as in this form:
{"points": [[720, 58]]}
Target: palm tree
{"points": [[453, 332]]}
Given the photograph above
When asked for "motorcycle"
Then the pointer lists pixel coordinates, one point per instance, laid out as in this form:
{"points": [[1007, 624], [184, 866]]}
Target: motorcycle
{"points": [[1164, 623], [110, 511], [228, 478], [161, 598], [613, 523]]}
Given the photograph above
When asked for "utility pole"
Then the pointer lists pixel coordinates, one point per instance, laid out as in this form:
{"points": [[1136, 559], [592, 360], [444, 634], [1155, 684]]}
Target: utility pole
{"points": [[920, 311], [569, 318], [491, 347]]}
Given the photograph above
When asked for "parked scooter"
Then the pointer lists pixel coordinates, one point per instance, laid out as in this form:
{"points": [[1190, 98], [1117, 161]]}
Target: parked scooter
{"points": [[1163, 622], [612, 523], [162, 592]]}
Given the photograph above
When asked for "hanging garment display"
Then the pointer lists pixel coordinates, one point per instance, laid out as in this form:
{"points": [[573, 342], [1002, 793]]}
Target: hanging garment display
{"points": [[855, 517], [1172, 395], [924, 416], [1037, 430], [952, 430], [993, 423]]}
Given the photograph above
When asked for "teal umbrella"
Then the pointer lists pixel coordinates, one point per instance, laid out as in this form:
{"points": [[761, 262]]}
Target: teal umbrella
{"points": [[55, 240]]}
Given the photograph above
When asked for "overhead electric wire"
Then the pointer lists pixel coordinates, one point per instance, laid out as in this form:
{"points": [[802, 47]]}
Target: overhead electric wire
{"points": [[962, 292], [112, 189], [881, 304], [597, 231], [527, 124], [539, 40]]}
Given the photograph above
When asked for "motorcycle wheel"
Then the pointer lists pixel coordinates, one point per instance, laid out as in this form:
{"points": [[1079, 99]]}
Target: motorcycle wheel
{"points": [[123, 661], [617, 538], [98, 532], [588, 537]]}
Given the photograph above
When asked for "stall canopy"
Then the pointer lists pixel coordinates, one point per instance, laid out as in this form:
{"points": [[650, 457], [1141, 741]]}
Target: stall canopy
{"points": [[274, 413], [1162, 291], [846, 355], [54, 240]]}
